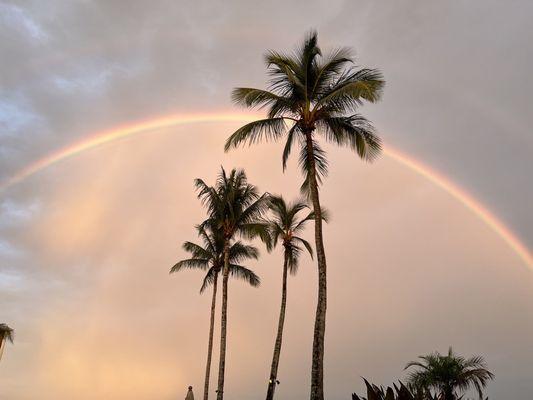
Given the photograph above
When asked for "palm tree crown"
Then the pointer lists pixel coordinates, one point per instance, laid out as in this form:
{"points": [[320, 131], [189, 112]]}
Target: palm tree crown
{"points": [[307, 92], [235, 206], [447, 374], [210, 257], [285, 226]]}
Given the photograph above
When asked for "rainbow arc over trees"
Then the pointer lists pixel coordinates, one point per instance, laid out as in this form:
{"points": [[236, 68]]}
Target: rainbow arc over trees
{"points": [[107, 136]]}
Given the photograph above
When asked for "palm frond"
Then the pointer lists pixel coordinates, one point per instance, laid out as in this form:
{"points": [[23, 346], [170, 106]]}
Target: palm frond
{"points": [[292, 253], [355, 132], [318, 161], [245, 274], [285, 74], [240, 251], [257, 230], [257, 131], [351, 88], [209, 278], [294, 133], [331, 68], [306, 244], [196, 250], [190, 263]]}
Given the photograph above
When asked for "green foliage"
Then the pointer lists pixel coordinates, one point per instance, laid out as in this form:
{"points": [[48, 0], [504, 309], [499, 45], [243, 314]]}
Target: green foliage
{"points": [[210, 257], [285, 225], [449, 374], [235, 207], [397, 392], [309, 92]]}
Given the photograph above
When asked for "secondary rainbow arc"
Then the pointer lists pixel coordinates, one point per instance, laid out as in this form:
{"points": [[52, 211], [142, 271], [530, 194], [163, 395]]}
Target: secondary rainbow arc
{"points": [[420, 168]]}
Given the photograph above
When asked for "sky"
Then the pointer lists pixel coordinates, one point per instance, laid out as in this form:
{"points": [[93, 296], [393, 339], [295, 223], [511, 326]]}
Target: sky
{"points": [[86, 243]]}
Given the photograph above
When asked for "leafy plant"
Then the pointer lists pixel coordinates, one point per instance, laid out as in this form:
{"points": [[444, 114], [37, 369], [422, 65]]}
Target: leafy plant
{"points": [[449, 375], [396, 392]]}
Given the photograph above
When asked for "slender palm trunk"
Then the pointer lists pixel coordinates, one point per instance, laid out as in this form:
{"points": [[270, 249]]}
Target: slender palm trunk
{"points": [[210, 345], [317, 370], [223, 323], [279, 337]]}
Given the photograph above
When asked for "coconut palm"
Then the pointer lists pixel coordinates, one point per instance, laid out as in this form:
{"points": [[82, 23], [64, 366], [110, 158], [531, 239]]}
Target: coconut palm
{"points": [[6, 334], [312, 96], [285, 226], [235, 208], [449, 375], [209, 257]]}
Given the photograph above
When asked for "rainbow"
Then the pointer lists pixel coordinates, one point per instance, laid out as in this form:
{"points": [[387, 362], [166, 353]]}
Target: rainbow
{"points": [[121, 132]]}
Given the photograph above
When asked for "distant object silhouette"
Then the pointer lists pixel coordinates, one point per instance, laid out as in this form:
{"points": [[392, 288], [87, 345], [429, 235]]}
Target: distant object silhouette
{"points": [[190, 395], [6, 335]]}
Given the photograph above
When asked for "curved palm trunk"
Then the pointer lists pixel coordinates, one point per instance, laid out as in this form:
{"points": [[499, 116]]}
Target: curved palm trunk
{"points": [[317, 369], [210, 344], [223, 324], [279, 337]]}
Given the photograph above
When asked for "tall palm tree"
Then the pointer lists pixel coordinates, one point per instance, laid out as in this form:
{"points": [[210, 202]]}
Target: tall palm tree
{"points": [[285, 226], [209, 257], [6, 334], [312, 96], [236, 208], [449, 374]]}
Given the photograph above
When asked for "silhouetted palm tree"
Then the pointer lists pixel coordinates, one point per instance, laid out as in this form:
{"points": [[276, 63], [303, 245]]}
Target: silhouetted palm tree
{"points": [[312, 96], [449, 374], [210, 258], [6, 334], [285, 226], [236, 208]]}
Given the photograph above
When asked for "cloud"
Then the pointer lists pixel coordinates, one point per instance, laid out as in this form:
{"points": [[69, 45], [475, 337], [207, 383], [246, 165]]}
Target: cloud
{"points": [[88, 288], [19, 20]]}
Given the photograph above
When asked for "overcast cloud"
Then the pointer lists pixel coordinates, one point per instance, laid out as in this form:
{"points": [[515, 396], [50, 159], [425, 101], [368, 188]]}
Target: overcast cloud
{"points": [[86, 244]]}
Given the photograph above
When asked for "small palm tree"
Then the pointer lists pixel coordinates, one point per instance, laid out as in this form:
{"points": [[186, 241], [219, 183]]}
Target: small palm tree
{"points": [[6, 334], [312, 96], [285, 226], [209, 257], [449, 375], [235, 208]]}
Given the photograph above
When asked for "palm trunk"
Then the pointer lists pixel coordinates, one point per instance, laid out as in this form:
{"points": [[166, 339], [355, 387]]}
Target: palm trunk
{"points": [[317, 369], [210, 345], [279, 337], [448, 394], [223, 323]]}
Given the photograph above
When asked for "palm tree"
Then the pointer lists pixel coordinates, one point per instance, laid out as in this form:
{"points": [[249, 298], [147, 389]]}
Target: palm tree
{"points": [[311, 95], [210, 258], [285, 225], [235, 208], [6, 334], [449, 374]]}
